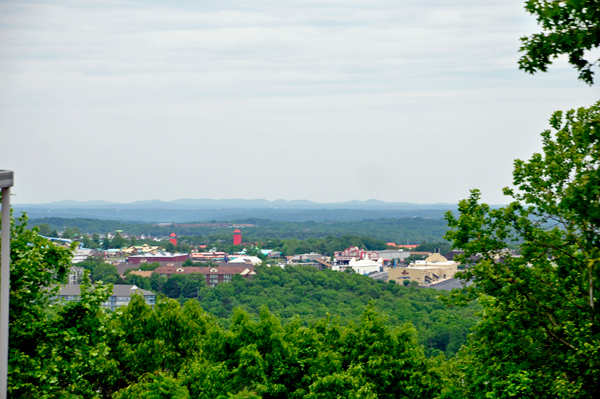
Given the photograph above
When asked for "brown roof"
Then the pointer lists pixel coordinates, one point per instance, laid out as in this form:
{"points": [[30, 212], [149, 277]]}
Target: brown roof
{"points": [[142, 273]]}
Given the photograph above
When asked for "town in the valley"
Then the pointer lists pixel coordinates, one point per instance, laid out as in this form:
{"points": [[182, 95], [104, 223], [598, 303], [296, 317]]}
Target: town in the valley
{"points": [[128, 266]]}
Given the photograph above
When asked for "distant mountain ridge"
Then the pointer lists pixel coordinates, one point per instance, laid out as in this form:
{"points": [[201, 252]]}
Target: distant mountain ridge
{"points": [[188, 203]]}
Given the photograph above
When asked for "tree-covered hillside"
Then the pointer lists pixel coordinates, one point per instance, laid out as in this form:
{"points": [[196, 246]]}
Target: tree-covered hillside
{"points": [[306, 294]]}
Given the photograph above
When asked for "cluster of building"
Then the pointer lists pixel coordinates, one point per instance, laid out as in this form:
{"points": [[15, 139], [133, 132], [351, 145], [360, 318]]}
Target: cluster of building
{"points": [[170, 264], [435, 268]]}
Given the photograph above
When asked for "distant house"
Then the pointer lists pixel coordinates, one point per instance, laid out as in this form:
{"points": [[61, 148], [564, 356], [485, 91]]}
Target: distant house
{"points": [[113, 252], [75, 275], [121, 295]]}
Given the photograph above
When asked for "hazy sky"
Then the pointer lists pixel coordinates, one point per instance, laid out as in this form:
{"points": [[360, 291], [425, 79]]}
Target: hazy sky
{"points": [[328, 100]]}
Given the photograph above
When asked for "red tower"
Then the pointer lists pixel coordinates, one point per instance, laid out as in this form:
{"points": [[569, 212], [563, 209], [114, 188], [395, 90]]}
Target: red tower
{"points": [[173, 238], [237, 237]]}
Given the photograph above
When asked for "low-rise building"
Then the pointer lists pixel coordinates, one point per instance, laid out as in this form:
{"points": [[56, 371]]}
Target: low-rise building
{"points": [[429, 271], [344, 257], [246, 259], [388, 255], [207, 256], [140, 250], [113, 252], [75, 275], [366, 266], [121, 295], [81, 254]]}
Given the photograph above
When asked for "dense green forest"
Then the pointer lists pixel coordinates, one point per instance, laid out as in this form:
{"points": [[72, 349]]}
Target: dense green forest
{"points": [[307, 294], [399, 230]]}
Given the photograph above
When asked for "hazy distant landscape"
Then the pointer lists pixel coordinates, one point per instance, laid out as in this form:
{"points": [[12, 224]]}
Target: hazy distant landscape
{"points": [[401, 230], [202, 210]]}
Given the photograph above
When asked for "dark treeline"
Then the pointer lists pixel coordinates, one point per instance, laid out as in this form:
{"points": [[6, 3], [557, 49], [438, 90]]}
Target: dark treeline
{"points": [[229, 214], [402, 230]]}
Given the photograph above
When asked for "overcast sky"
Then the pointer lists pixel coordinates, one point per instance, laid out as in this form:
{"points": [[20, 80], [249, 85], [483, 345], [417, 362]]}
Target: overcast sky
{"points": [[328, 100]]}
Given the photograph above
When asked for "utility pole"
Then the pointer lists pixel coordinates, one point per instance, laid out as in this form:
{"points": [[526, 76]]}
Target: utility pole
{"points": [[6, 182]]}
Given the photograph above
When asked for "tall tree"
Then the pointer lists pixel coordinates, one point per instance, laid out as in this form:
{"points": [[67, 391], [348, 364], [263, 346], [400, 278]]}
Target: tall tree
{"points": [[540, 332], [570, 27], [55, 351]]}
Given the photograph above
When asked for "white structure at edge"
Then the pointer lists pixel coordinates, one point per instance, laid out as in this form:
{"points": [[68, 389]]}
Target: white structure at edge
{"points": [[366, 266], [80, 255], [255, 260]]}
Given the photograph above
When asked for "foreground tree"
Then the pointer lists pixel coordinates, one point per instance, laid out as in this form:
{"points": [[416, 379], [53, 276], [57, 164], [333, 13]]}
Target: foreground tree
{"points": [[540, 331], [570, 27], [55, 350]]}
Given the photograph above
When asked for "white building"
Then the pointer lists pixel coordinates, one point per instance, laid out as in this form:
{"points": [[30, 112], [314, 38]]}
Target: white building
{"points": [[76, 275], [255, 260], [366, 266], [80, 255]]}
